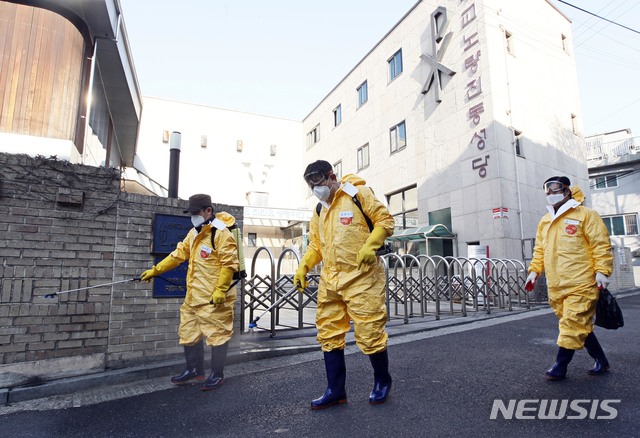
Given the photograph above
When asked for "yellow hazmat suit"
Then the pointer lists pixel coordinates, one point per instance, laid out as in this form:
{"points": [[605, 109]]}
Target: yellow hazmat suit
{"points": [[572, 244], [197, 317], [345, 292]]}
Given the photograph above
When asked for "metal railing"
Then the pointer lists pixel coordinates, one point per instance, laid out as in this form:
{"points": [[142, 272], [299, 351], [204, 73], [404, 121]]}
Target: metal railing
{"points": [[417, 286]]}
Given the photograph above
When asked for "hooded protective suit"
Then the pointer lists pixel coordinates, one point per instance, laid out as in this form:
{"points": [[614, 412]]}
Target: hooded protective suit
{"points": [[198, 317], [572, 244], [346, 292]]}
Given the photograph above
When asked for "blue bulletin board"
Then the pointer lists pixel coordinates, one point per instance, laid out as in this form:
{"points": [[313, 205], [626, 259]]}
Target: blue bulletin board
{"points": [[168, 231]]}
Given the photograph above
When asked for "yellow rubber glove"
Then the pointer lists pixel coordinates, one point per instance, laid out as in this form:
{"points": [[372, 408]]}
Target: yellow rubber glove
{"points": [[167, 264], [310, 259], [367, 253], [219, 294]]}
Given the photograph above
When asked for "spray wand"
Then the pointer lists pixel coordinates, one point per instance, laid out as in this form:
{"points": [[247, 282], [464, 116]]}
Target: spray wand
{"points": [[51, 295], [254, 324]]}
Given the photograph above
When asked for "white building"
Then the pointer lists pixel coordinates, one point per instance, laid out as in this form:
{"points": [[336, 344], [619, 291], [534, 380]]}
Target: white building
{"points": [[239, 159], [613, 159], [463, 109]]}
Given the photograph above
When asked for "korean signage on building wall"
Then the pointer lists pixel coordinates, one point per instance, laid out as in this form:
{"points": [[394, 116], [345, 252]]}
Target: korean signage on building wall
{"points": [[474, 97], [470, 63]]}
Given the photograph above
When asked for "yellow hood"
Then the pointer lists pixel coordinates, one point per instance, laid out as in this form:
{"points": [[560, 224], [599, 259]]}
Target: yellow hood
{"points": [[226, 218], [576, 193], [353, 179]]}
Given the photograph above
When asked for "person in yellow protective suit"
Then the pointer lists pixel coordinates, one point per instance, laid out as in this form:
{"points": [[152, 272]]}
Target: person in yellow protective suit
{"points": [[574, 250], [207, 311], [352, 282]]}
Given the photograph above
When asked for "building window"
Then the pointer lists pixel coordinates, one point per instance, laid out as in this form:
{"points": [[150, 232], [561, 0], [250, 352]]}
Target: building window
{"points": [[337, 115], [252, 239], [398, 137], [403, 205], [395, 65], [363, 94], [442, 216], [313, 136], [508, 41], [622, 225], [518, 142], [337, 169], [604, 182], [363, 156]]}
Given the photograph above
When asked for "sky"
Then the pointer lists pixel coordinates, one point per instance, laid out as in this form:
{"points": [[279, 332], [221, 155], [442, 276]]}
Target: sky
{"points": [[281, 58], [607, 63]]}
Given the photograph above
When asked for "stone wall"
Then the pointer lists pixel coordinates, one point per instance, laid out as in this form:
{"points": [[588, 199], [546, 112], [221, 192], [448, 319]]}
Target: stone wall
{"points": [[622, 277], [66, 226]]}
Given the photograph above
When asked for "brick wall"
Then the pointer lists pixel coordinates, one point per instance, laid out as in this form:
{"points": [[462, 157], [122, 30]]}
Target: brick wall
{"points": [[65, 226]]}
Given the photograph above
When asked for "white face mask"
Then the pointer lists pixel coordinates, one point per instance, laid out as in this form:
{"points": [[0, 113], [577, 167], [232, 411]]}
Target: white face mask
{"points": [[197, 220], [322, 192], [554, 199]]}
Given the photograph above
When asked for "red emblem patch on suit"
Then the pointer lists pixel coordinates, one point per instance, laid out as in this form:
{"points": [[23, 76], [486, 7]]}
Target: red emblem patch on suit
{"points": [[205, 251], [571, 229], [346, 217]]}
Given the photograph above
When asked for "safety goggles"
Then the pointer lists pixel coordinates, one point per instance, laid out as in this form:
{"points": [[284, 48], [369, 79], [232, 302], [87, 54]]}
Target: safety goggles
{"points": [[554, 187], [315, 179]]}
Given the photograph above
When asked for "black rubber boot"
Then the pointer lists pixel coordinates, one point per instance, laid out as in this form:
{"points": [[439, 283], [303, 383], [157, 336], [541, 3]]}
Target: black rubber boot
{"points": [[381, 378], [335, 393], [218, 360], [194, 355], [594, 349], [559, 369]]}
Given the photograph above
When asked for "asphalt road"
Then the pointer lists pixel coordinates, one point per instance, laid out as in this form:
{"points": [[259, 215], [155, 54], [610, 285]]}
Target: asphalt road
{"points": [[445, 384]]}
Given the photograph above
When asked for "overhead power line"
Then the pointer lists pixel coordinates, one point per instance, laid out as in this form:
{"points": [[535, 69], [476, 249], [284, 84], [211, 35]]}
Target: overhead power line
{"points": [[598, 16]]}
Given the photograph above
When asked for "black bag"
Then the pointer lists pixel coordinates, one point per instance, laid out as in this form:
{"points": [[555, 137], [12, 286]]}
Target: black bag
{"points": [[608, 313]]}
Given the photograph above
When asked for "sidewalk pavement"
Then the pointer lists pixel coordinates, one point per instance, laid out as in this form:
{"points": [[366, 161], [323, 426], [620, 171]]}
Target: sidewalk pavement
{"points": [[249, 347]]}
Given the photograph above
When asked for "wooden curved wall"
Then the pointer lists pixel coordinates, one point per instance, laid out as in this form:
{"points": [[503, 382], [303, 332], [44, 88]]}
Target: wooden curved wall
{"points": [[41, 72]]}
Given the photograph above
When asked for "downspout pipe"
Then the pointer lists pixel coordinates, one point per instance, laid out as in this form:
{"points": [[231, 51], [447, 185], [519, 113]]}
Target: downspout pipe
{"points": [[513, 137], [174, 163], [87, 114]]}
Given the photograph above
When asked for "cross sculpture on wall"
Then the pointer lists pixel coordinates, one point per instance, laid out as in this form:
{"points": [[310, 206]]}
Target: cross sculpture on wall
{"points": [[439, 24]]}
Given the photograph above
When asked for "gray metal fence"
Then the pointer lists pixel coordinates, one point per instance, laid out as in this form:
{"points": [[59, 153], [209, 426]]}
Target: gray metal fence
{"points": [[417, 287]]}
